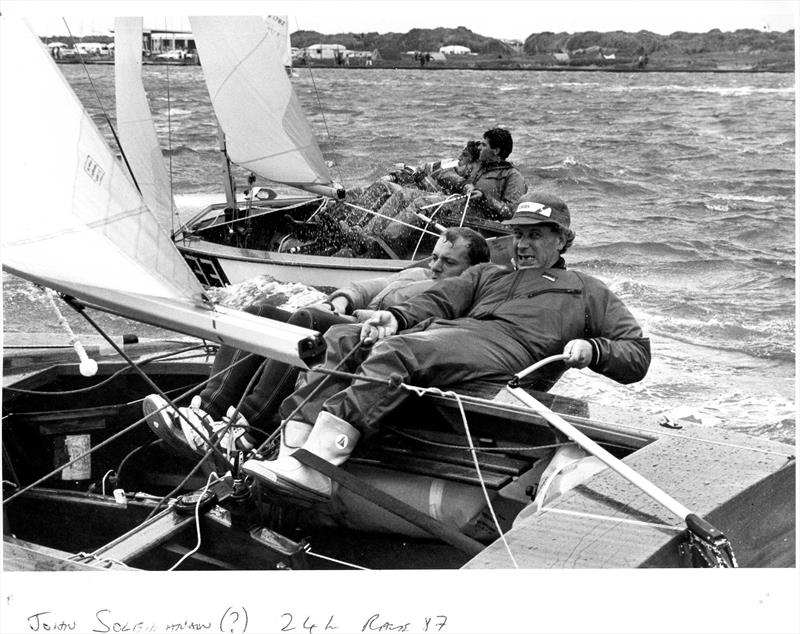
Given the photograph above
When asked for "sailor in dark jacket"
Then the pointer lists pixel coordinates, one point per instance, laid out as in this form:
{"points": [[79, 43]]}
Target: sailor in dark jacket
{"points": [[495, 185], [488, 323]]}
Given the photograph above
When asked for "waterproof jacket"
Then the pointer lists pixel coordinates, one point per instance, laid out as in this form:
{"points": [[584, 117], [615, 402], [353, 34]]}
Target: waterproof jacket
{"points": [[381, 292], [540, 309], [502, 186]]}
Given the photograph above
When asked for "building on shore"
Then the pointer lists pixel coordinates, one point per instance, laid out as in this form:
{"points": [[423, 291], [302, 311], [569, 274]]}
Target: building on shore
{"points": [[323, 51], [455, 49], [156, 42]]}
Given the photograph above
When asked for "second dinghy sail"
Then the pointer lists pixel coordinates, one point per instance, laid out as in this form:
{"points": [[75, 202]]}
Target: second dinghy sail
{"points": [[135, 127], [265, 128]]}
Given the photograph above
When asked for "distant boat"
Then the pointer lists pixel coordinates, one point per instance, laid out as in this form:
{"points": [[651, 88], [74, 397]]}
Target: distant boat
{"points": [[243, 60]]}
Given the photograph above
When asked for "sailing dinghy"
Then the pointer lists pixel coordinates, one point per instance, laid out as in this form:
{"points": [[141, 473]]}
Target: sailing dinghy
{"points": [[480, 477], [262, 129]]}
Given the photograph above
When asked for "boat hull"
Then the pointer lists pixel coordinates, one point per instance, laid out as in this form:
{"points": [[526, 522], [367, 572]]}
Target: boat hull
{"points": [[283, 243], [745, 486]]}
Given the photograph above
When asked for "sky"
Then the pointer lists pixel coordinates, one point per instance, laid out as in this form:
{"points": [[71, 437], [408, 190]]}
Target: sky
{"points": [[507, 19]]}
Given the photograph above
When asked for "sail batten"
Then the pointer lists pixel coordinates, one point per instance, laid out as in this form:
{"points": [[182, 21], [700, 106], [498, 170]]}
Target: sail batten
{"points": [[264, 125]]}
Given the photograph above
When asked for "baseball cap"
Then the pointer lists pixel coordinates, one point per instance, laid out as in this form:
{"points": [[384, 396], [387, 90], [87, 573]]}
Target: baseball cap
{"points": [[539, 208]]}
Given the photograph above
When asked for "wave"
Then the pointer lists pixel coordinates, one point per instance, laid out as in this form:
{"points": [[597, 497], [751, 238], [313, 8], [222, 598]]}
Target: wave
{"points": [[724, 91]]}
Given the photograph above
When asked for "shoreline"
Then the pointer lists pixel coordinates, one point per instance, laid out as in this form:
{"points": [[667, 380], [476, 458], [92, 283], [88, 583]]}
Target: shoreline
{"points": [[494, 68]]}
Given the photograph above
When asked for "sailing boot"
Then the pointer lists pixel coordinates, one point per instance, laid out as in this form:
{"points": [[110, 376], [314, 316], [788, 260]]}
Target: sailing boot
{"points": [[293, 435], [331, 439]]}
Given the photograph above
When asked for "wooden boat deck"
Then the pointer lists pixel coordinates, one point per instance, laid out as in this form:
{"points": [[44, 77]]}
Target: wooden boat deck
{"points": [[609, 523]]}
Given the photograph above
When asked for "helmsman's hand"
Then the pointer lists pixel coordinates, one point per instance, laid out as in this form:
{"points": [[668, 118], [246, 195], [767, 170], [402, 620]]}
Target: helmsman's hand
{"points": [[580, 353], [381, 325]]}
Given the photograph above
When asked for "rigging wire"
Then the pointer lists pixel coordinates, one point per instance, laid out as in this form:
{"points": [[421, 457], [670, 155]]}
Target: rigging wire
{"points": [[390, 219], [111, 377], [169, 152], [322, 113], [103, 110], [112, 438]]}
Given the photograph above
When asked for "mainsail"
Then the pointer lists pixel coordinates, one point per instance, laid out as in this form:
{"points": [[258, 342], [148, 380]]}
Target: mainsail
{"points": [[135, 126], [265, 128], [92, 236]]}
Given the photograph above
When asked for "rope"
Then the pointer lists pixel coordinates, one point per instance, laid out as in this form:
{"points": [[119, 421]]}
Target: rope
{"points": [[608, 518], [480, 475], [442, 203], [103, 481], [390, 219], [88, 367], [464, 213], [104, 111], [114, 437], [336, 561], [263, 213], [197, 524]]}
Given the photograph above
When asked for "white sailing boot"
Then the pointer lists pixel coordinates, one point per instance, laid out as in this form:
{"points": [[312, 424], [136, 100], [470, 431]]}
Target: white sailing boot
{"points": [[331, 438], [293, 435]]}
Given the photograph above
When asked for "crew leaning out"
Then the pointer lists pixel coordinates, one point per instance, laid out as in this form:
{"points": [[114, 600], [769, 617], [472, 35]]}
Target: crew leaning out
{"points": [[479, 192], [488, 323], [244, 390]]}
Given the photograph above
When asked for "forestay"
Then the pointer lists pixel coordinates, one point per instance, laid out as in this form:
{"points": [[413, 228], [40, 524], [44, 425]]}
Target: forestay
{"points": [[92, 236], [265, 128], [135, 127]]}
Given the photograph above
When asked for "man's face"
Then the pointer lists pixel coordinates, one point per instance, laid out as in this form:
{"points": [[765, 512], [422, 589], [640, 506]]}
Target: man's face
{"points": [[449, 259], [537, 246], [488, 153], [464, 159]]}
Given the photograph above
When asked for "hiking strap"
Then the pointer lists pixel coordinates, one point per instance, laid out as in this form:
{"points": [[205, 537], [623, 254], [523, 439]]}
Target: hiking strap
{"points": [[390, 503]]}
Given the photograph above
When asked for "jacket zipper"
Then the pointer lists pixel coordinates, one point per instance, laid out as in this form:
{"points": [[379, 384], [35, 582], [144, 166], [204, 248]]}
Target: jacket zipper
{"points": [[568, 291]]}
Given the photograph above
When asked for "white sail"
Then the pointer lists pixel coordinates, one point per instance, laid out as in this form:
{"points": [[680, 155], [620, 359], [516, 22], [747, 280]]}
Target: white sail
{"points": [[278, 27], [265, 128], [135, 127], [91, 236]]}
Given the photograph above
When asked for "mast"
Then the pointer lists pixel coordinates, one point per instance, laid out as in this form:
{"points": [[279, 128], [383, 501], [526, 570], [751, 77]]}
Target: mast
{"points": [[230, 187]]}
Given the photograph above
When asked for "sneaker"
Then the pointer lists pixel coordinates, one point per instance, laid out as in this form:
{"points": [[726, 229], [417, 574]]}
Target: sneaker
{"points": [[228, 437], [164, 421], [173, 426]]}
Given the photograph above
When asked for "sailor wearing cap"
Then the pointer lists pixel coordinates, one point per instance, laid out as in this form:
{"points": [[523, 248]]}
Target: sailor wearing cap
{"points": [[541, 230], [486, 324]]}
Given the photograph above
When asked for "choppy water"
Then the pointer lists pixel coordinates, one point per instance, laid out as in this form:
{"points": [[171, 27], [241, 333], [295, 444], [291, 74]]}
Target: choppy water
{"points": [[681, 188]]}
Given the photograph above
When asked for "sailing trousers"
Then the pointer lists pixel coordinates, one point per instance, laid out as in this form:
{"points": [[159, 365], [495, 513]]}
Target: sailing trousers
{"points": [[443, 354], [233, 369]]}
